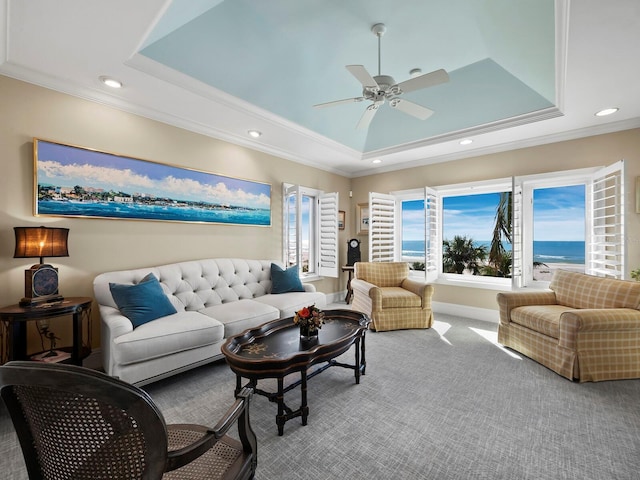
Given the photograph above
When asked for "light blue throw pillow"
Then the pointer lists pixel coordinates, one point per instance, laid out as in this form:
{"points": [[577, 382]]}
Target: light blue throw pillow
{"points": [[143, 302], [283, 281]]}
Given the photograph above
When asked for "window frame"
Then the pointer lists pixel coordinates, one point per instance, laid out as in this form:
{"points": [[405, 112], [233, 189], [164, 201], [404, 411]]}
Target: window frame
{"points": [[323, 231], [522, 235]]}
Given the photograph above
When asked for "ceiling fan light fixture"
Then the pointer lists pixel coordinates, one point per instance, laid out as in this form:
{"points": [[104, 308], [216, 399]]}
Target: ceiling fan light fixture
{"points": [[606, 111], [111, 82], [254, 133]]}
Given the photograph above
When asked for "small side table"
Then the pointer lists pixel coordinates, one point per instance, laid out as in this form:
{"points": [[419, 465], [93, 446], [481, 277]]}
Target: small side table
{"points": [[348, 268], [14, 319]]}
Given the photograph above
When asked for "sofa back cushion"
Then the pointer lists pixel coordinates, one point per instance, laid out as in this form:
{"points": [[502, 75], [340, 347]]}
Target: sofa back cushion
{"points": [[196, 284], [382, 274], [578, 290]]}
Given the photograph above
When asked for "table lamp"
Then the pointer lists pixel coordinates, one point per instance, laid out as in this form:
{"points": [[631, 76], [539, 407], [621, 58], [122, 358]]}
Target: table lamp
{"points": [[41, 280]]}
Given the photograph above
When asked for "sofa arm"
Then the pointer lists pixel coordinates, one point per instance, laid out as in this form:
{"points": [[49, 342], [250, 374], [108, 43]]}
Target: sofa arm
{"points": [[422, 289], [113, 325], [507, 301], [308, 287], [574, 322]]}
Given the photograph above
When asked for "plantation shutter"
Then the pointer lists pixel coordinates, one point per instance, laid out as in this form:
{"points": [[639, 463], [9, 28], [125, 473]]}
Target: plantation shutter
{"points": [[433, 236], [517, 280], [328, 235], [382, 213], [605, 255]]}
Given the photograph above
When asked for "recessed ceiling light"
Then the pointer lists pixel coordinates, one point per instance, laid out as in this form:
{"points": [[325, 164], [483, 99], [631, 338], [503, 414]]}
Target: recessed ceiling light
{"points": [[111, 82], [377, 160], [254, 133], [607, 111], [466, 141], [415, 72]]}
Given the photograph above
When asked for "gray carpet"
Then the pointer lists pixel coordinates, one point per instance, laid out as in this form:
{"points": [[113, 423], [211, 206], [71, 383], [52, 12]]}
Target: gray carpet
{"points": [[444, 403]]}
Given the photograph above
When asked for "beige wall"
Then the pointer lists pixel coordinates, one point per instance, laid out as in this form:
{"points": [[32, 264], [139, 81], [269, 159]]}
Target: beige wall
{"points": [[28, 111], [593, 151], [96, 245]]}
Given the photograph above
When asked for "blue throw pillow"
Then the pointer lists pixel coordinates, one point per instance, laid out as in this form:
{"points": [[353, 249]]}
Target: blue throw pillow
{"points": [[143, 302], [283, 281]]}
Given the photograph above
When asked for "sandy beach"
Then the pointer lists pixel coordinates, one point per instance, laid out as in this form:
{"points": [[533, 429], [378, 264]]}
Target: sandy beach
{"points": [[545, 272]]}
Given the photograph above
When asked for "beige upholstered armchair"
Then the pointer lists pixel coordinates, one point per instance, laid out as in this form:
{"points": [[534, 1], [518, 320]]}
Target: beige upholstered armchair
{"points": [[385, 292]]}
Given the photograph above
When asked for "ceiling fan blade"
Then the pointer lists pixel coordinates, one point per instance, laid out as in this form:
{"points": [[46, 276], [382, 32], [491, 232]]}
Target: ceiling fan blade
{"points": [[338, 102], [367, 116], [411, 108], [423, 81], [363, 77]]}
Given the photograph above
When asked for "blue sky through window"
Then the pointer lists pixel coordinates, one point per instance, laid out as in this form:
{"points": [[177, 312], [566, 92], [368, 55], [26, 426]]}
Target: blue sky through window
{"points": [[559, 215]]}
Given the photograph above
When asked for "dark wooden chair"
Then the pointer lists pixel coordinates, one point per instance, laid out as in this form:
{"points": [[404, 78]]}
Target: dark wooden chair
{"points": [[76, 423]]}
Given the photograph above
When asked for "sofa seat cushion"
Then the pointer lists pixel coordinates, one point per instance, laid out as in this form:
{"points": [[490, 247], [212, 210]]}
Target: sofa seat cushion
{"points": [[238, 316], [289, 303], [544, 319], [166, 335], [398, 297]]}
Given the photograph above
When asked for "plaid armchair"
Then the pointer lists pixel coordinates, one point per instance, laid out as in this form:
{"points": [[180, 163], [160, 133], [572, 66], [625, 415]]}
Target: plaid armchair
{"points": [[390, 298], [586, 327]]}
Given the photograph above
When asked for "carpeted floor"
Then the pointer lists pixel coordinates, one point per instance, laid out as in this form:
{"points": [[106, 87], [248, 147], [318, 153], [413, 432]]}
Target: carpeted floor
{"points": [[444, 403]]}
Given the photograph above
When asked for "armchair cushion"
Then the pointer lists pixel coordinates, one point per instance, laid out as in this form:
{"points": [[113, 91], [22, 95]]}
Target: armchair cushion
{"points": [[383, 274], [397, 297]]}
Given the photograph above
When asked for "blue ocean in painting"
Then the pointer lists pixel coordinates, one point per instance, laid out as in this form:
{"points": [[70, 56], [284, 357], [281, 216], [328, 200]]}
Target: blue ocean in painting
{"points": [[242, 216], [543, 251]]}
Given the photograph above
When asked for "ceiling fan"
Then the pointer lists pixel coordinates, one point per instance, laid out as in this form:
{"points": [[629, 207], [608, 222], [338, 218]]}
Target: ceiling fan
{"points": [[383, 88]]}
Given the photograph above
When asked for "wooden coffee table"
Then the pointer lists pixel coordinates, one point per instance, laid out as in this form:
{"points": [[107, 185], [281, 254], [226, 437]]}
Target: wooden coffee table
{"points": [[275, 350]]}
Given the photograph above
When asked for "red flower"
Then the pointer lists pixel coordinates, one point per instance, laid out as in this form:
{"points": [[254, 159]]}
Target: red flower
{"points": [[304, 313]]}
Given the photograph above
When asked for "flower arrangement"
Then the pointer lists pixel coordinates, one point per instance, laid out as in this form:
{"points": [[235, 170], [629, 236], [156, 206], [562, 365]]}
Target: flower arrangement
{"points": [[310, 318]]}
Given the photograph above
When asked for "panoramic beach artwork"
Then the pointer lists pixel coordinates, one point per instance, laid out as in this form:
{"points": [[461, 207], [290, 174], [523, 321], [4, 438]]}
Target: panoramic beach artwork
{"points": [[80, 182]]}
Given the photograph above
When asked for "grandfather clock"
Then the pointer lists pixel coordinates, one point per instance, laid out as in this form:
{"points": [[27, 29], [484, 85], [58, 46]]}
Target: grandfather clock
{"points": [[353, 252]]}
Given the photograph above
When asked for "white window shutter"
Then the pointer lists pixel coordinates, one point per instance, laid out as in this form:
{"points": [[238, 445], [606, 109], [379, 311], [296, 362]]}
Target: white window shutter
{"points": [[606, 231], [433, 234], [382, 213], [328, 234], [517, 280]]}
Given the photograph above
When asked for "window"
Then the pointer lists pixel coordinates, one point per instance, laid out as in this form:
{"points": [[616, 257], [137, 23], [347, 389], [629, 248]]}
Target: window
{"points": [[310, 221], [515, 231]]}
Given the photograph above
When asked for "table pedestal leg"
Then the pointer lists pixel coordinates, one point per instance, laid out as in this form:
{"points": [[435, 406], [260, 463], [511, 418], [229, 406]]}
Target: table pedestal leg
{"points": [[281, 418], [303, 389]]}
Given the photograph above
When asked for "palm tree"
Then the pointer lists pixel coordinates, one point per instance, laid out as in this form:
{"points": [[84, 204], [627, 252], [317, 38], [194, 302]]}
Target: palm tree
{"points": [[461, 254], [501, 229]]}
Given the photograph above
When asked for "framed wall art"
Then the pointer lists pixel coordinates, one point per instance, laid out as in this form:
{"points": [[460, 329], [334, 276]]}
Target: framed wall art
{"points": [[73, 181], [362, 219], [341, 217]]}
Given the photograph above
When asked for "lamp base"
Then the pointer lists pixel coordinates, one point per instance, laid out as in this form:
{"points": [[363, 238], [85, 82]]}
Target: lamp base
{"points": [[35, 301]]}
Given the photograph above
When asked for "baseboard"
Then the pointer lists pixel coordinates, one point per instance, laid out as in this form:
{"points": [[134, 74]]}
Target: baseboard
{"points": [[485, 314], [336, 297], [477, 313]]}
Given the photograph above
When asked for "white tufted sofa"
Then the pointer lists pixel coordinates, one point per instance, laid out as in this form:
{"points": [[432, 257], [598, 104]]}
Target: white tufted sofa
{"points": [[214, 298]]}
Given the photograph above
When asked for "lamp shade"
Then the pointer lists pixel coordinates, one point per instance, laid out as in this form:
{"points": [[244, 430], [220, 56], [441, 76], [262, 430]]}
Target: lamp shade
{"points": [[41, 242]]}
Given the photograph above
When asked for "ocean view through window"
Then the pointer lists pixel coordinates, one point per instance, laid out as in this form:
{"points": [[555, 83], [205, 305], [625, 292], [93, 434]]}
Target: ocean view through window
{"points": [[557, 241]]}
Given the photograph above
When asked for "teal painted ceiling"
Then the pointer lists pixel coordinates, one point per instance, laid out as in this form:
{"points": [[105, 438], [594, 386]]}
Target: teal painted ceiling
{"points": [[284, 56]]}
